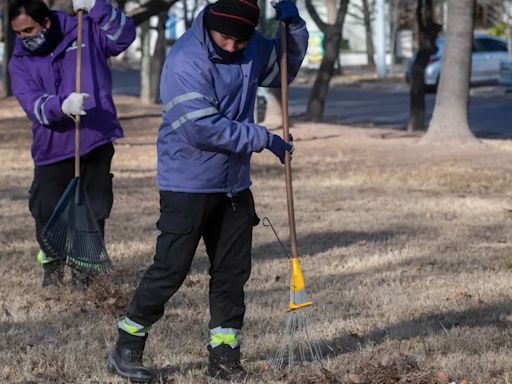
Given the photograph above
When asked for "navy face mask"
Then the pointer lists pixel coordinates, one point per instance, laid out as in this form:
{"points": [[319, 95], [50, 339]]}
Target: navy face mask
{"points": [[227, 57], [32, 43]]}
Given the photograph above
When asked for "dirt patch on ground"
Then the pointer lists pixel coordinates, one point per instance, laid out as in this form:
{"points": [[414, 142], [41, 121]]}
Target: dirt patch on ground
{"points": [[405, 250]]}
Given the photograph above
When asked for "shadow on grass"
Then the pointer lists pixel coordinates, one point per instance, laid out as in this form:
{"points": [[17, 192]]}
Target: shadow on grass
{"points": [[317, 243], [485, 315]]}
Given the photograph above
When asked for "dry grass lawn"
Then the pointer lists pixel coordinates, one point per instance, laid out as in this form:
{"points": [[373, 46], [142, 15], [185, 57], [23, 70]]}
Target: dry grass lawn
{"points": [[406, 252]]}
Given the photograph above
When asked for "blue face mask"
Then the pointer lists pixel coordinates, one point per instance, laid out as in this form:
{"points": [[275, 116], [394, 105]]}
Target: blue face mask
{"points": [[32, 43]]}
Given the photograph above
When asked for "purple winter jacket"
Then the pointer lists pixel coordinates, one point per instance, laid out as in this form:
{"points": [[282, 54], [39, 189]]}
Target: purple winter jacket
{"points": [[41, 83]]}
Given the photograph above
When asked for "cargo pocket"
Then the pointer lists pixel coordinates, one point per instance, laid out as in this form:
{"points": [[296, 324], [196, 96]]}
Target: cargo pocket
{"points": [[33, 200], [253, 217], [172, 227]]}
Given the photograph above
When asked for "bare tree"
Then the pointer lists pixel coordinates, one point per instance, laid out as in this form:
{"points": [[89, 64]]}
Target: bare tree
{"points": [[449, 123], [363, 14], [394, 25], [152, 59], [428, 31], [332, 41], [190, 13]]}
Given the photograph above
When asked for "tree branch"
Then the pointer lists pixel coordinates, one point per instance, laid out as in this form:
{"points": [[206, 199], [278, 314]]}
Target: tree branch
{"points": [[314, 15], [151, 8]]}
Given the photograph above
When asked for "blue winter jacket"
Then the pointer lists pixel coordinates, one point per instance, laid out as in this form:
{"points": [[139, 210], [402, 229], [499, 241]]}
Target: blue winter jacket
{"points": [[207, 135]]}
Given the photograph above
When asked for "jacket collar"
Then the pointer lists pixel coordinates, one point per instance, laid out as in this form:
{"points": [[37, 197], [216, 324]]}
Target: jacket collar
{"points": [[201, 34]]}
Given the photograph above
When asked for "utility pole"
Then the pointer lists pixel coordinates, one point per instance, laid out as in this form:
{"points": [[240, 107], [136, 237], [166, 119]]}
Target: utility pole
{"points": [[381, 38]]}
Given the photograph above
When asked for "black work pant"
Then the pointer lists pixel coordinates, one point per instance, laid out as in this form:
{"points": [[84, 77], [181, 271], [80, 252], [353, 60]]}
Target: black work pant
{"points": [[51, 180], [225, 224]]}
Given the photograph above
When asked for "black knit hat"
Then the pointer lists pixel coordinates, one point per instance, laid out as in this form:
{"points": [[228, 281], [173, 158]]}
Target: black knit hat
{"points": [[237, 18]]}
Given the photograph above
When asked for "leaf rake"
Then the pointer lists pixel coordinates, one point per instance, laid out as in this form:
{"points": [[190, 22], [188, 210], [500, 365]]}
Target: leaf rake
{"points": [[72, 233], [296, 344]]}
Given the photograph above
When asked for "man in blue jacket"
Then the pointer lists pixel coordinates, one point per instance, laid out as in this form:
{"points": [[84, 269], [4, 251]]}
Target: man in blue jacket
{"points": [[205, 142], [43, 80]]}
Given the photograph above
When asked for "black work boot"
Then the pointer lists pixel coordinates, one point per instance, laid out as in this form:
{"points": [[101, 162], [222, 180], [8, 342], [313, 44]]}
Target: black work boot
{"points": [[224, 363], [126, 359], [53, 273]]}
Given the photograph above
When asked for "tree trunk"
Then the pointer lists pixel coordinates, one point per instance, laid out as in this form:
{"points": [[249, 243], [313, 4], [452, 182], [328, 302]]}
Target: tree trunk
{"points": [[449, 123], [331, 11], [367, 21], [332, 39], [330, 6], [273, 111], [158, 58], [145, 63], [428, 31], [394, 11], [8, 46]]}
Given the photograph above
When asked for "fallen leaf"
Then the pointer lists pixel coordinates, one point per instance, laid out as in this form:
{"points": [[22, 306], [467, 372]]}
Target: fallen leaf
{"points": [[386, 360], [464, 381], [6, 312], [404, 348], [111, 301], [357, 379], [264, 366], [442, 378]]}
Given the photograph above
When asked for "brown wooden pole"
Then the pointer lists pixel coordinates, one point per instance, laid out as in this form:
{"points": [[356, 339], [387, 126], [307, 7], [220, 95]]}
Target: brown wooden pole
{"points": [[286, 135], [80, 16]]}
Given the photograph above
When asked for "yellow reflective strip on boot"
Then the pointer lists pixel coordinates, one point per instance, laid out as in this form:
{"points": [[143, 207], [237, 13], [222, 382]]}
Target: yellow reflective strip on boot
{"points": [[224, 338], [42, 258], [133, 328]]}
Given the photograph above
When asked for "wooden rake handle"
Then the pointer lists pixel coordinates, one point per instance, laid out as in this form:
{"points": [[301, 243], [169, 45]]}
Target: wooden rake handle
{"points": [[286, 135], [79, 38]]}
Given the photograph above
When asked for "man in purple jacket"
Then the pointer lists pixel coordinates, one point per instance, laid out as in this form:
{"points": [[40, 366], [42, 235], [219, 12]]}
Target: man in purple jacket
{"points": [[42, 71], [205, 143]]}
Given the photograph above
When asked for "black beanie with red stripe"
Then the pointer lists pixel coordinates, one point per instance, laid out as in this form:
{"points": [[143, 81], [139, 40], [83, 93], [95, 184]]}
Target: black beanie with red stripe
{"points": [[236, 18]]}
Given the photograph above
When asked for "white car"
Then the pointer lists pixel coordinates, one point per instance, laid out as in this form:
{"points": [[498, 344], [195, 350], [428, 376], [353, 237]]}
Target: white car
{"points": [[488, 53], [506, 75]]}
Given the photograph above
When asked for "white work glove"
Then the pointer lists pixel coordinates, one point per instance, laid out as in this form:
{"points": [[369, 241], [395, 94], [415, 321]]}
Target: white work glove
{"points": [[74, 104], [86, 5]]}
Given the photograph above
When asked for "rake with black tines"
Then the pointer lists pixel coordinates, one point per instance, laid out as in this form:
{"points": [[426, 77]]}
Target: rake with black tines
{"points": [[72, 233], [296, 344]]}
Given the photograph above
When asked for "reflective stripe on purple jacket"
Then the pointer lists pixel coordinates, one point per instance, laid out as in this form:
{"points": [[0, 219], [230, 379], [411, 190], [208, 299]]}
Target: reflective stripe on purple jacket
{"points": [[41, 83], [208, 132]]}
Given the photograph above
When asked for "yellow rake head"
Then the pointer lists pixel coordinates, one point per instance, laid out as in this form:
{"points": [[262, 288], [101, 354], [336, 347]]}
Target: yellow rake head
{"points": [[298, 296]]}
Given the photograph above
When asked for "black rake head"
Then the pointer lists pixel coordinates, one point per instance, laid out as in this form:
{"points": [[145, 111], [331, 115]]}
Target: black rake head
{"points": [[72, 233]]}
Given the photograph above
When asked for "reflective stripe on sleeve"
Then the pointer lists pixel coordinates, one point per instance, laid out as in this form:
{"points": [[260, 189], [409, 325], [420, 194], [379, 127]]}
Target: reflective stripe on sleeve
{"points": [[272, 63], [186, 97], [108, 24], [194, 115], [38, 111], [116, 35]]}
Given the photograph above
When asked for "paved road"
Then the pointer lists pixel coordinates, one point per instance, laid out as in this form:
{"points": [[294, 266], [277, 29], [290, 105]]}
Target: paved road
{"points": [[385, 105], [388, 106]]}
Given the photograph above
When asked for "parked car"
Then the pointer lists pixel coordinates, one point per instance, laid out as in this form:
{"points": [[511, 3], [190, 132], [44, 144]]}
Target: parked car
{"points": [[488, 53], [506, 75]]}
